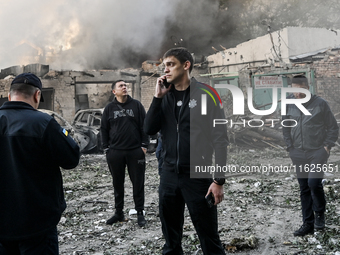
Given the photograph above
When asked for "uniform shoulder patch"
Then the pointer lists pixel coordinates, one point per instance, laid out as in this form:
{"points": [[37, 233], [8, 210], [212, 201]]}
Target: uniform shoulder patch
{"points": [[65, 132]]}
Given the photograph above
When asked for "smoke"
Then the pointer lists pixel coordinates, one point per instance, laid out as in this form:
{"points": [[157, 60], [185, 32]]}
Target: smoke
{"points": [[248, 19], [109, 34], [83, 34]]}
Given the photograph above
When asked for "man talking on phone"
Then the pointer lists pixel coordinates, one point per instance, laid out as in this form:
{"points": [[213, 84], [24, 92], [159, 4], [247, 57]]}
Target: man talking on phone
{"points": [[176, 112]]}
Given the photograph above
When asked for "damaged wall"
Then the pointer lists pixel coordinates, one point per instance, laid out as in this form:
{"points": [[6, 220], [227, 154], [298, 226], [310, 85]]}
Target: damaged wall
{"points": [[321, 66], [90, 89], [326, 67], [4, 89], [151, 70], [61, 96], [278, 46], [62, 100], [66, 92], [92, 95]]}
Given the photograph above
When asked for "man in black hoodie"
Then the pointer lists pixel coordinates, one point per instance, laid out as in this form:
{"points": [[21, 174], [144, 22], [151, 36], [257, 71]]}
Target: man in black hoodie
{"points": [[188, 140], [125, 144], [309, 139]]}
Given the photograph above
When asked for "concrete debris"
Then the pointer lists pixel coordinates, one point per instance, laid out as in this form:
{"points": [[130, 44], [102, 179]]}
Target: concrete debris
{"points": [[244, 242]]}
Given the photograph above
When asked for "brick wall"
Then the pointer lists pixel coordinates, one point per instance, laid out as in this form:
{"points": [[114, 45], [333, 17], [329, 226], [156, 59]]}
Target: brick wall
{"points": [[327, 80], [147, 90]]}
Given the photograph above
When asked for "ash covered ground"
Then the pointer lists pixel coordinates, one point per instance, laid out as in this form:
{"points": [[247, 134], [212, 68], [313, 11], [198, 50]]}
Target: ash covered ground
{"points": [[258, 215]]}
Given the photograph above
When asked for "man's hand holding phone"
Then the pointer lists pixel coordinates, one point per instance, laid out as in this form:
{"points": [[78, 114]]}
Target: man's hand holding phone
{"points": [[216, 191], [162, 87], [210, 200]]}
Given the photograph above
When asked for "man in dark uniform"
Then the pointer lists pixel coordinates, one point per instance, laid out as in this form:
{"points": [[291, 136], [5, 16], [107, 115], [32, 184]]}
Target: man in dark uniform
{"points": [[175, 112], [309, 144], [32, 146], [125, 144]]}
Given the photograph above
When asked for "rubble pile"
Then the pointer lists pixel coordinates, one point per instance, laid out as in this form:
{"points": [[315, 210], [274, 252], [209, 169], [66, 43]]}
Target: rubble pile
{"points": [[258, 215]]}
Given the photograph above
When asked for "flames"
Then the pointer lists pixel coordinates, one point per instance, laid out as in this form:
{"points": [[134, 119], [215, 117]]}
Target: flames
{"points": [[29, 52], [70, 33]]}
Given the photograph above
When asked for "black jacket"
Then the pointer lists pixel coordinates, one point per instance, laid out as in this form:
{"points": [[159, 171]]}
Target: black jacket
{"points": [[32, 147], [122, 125], [312, 131], [191, 140]]}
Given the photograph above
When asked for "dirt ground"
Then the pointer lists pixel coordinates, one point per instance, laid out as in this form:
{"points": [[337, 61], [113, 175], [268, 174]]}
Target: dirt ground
{"points": [[258, 216]]}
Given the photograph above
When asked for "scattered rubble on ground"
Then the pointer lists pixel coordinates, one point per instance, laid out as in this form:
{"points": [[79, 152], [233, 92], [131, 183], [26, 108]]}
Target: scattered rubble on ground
{"points": [[258, 215]]}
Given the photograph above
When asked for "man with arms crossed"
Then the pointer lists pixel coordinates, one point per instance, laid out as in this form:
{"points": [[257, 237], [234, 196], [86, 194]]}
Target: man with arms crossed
{"points": [[176, 112]]}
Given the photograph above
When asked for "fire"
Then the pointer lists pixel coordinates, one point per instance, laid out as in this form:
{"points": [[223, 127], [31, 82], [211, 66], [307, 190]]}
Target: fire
{"points": [[69, 35], [29, 52]]}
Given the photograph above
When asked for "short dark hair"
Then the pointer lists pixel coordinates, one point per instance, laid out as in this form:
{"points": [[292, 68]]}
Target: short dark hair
{"points": [[115, 82], [301, 80], [182, 54], [23, 89]]}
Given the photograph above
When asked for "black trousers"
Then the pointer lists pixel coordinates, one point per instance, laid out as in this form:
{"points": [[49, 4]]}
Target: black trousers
{"points": [[310, 180], [174, 191], [135, 161], [45, 244]]}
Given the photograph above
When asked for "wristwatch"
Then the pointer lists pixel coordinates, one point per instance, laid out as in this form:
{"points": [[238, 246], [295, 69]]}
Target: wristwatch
{"points": [[219, 181]]}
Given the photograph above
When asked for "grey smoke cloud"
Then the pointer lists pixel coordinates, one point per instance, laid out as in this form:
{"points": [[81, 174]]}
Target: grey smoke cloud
{"points": [[82, 34]]}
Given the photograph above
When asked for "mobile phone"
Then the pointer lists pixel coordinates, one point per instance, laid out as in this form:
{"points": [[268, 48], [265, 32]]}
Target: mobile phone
{"points": [[210, 200], [165, 83]]}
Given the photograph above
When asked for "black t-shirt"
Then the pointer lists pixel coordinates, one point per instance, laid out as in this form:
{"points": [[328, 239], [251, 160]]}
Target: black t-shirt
{"points": [[179, 95]]}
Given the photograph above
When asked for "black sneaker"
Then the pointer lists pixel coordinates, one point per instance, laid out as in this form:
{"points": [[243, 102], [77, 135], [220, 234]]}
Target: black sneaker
{"points": [[117, 217], [319, 222], [140, 219], [305, 229]]}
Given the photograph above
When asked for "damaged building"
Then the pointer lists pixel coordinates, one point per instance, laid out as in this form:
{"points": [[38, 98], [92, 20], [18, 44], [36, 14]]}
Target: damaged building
{"points": [[279, 55], [269, 62], [67, 92]]}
